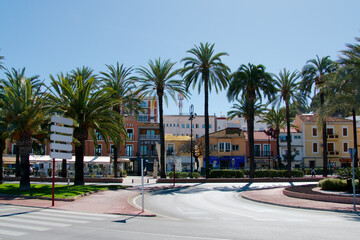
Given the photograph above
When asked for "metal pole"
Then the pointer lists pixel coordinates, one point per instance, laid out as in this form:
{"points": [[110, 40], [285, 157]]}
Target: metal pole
{"points": [[53, 183], [174, 169], [354, 194], [191, 146], [142, 184]]}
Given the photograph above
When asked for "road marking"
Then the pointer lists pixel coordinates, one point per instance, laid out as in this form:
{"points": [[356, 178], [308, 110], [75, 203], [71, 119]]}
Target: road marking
{"points": [[80, 213], [66, 216], [11, 233], [5, 209], [16, 219], [5, 224], [53, 218]]}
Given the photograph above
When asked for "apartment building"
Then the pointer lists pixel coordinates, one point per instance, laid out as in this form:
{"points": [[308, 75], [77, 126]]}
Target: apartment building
{"points": [[297, 150]]}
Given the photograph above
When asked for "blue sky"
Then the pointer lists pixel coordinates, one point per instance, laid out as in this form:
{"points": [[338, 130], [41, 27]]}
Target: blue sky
{"points": [[48, 37]]}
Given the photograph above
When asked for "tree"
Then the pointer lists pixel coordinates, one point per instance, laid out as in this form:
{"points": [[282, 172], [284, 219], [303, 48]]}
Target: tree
{"points": [[1, 64], [251, 81], [91, 109], [287, 87], [205, 69], [313, 74], [158, 81], [198, 150], [22, 100], [275, 119], [119, 81]]}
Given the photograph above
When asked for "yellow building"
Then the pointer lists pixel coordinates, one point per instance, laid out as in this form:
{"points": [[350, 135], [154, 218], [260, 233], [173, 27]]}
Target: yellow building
{"points": [[227, 148], [178, 148], [339, 140]]}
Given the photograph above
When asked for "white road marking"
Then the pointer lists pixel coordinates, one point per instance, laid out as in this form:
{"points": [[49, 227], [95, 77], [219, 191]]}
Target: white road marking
{"points": [[53, 218], [5, 209], [81, 213], [66, 216], [13, 219], [11, 233], [28, 227]]}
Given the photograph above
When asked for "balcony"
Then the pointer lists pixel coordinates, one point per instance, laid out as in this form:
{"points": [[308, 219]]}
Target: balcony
{"points": [[332, 136], [262, 154], [149, 137], [333, 153]]}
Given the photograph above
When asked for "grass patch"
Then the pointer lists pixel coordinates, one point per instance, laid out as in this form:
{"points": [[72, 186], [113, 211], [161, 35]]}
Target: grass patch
{"points": [[61, 191]]}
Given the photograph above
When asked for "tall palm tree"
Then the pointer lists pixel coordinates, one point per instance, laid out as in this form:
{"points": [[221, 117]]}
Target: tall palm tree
{"points": [[1, 64], [287, 87], [253, 82], [205, 69], [275, 119], [23, 111], [158, 81], [90, 108], [313, 74], [118, 80]]}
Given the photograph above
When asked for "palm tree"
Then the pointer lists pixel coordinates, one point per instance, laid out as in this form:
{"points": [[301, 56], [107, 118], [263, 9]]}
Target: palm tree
{"points": [[118, 80], [251, 81], [1, 64], [90, 108], [205, 69], [313, 74], [157, 81], [22, 101], [287, 87], [275, 119]]}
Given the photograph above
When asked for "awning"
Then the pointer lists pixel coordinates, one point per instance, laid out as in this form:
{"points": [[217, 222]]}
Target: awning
{"points": [[87, 159], [345, 160]]}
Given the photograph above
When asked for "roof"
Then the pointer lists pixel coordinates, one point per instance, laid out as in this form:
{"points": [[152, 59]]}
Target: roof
{"points": [[228, 132], [313, 118], [169, 137], [292, 130], [258, 135], [149, 125]]}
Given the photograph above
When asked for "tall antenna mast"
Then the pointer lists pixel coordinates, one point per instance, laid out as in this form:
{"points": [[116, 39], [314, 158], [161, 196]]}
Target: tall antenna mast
{"points": [[180, 98]]}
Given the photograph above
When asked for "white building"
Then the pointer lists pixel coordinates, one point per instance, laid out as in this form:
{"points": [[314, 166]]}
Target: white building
{"points": [[223, 123], [179, 125], [297, 148]]}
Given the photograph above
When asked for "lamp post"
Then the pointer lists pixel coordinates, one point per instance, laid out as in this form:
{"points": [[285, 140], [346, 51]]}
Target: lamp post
{"points": [[192, 116]]}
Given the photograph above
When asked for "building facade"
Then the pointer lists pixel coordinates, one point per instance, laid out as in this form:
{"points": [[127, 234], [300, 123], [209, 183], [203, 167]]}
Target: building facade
{"points": [[297, 150]]}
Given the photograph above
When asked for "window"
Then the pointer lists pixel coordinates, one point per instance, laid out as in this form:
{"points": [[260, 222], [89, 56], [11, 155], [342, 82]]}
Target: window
{"points": [[266, 150], [203, 126], [170, 124], [170, 148], [345, 131], [129, 150], [98, 136], [297, 152], [112, 149], [187, 125], [314, 132], [182, 125], [330, 147], [196, 136], [227, 147], [345, 147], [213, 147], [98, 150], [235, 147], [221, 147], [282, 138], [192, 125], [196, 125], [143, 150], [142, 118], [209, 125], [257, 150], [297, 137], [315, 147], [150, 132], [330, 131], [130, 134], [144, 104]]}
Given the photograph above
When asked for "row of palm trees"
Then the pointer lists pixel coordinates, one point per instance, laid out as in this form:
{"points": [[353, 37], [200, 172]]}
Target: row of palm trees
{"points": [[97, 103]]}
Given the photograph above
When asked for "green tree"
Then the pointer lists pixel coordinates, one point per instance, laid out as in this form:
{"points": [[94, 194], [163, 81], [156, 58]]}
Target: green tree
{"points": [[313, 74], [22, 100], [205, 69], [288, 89], [1, 64], [119, 81], [91, 109], [275, 119], [253, 82], [158, 81]]}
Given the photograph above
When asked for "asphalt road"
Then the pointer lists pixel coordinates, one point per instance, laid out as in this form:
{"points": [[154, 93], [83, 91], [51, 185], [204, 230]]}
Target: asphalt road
{"points": [[197, 211]]}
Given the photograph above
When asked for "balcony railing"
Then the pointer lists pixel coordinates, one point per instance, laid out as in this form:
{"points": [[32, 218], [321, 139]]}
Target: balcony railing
{"points": [[332, 136], [149, 137], [333, 153], [262, 154]]}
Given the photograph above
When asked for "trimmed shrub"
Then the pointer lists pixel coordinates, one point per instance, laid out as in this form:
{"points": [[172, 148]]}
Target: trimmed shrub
{"points": [[171, 174], [196, 175], [226, 173], [272, 173], [332, 184], [184, 175]]}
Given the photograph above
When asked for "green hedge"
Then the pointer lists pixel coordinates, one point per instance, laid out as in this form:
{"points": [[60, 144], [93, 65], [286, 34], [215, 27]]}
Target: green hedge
{"points": [[226, 173], [171, 174], [335, 184], [196, 175]]}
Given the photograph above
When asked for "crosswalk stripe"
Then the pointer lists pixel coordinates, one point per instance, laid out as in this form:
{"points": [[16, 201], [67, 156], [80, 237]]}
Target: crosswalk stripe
{"points": [[4, 224], [11, 233], [20, 219], [53, 219], [66, 216], [81, 213], [5, 209]]}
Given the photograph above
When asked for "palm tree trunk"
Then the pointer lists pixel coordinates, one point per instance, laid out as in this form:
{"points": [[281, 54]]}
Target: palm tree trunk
{"points": [[24, 151], [251, 138], [115, 162], [17, 161], [79, 164], [288, 139], [63, 169], [207, 142], [355, 138], [278, 148], [162, 137], [324, 136]]}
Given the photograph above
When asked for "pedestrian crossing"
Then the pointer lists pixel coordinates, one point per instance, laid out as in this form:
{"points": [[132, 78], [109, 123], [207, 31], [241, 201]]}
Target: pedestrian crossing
{"points": [[20, 221]]}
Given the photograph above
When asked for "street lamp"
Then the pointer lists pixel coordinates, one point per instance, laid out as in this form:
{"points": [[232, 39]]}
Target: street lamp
{"points": [[192, 116]]}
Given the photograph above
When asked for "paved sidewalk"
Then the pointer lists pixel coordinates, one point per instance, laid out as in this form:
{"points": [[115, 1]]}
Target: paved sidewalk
{"points": [[275, 196]]}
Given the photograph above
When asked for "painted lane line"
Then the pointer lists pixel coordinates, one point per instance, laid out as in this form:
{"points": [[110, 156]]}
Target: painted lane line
{"points": [[11, 233], [80, 213], [66, 216], [55, 219], [34, 228], [38, 222], [5, 209]]}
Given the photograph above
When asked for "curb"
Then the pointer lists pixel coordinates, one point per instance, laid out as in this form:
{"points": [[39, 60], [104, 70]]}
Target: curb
{"points": [[237, 180], [144, 214]]}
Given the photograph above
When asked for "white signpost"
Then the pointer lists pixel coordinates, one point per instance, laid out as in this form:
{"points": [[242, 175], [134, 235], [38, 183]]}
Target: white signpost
{"points": [[60, 146], [352, 152]]}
